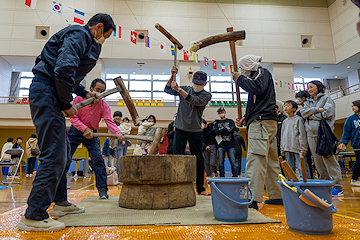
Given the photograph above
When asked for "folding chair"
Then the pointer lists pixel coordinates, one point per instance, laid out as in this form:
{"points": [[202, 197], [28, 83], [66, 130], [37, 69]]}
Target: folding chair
{"points": [[12, 151]]}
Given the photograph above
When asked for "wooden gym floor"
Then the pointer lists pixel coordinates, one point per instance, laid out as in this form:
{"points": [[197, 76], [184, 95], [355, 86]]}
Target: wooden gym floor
{"points": [[13, 205]]}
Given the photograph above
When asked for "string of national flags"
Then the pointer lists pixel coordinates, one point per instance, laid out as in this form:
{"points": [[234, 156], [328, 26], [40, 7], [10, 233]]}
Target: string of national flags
{"points": [[289, 86]]}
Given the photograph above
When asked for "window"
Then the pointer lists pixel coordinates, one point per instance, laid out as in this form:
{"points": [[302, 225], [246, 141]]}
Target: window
{"points": [[301, 83], [161, 77], [25, 81], [158, 85], [140, 86]]}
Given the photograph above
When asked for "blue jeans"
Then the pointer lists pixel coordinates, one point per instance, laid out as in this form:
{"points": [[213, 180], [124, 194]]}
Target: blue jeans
{"points": [[54, 146], [232, 158], [293, 160], [76, 137], [121, 150]]}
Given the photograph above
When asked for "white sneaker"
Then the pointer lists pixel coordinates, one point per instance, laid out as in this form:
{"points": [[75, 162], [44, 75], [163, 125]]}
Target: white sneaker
{"points": [[27, 175], [355, 182], [48, 224], [59, 211]]}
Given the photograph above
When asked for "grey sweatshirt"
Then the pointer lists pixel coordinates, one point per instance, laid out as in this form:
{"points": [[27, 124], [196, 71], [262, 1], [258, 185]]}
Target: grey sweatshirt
{"points": [[190, 109], [310, 112], [293, 135]]}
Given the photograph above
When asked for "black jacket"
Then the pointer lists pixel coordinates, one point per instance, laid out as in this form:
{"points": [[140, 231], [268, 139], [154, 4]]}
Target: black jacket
{"points": [[261, 99], [209, 136], [65, 60], [220, 128], [281, 117], [170, 135], [239, 142]]}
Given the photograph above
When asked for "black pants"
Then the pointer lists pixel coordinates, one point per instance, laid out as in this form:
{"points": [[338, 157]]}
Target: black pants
{"points": [[309, 163], [195, 144], [30, 165], [54, 146], [238, 161], [356, 166]]}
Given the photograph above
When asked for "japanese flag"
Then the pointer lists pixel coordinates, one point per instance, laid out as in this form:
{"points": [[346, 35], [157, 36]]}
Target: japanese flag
{"points": [[162, 47]]}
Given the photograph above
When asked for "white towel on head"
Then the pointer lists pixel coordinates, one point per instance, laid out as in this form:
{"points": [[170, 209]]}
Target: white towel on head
{"points": [[249, 62]]}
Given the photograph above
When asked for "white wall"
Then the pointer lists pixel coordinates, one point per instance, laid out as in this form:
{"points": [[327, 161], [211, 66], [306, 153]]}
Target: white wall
{"points": [[353, 77], [272, 31], [5, 79], [343, 28]]}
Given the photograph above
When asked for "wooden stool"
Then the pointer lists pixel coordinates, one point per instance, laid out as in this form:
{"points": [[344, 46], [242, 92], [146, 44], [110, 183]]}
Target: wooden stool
{"points": [[157, 182]]}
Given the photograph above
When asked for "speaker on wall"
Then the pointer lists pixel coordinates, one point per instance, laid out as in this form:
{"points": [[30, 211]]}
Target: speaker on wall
{"points": [[306, 41], [42, 32]]}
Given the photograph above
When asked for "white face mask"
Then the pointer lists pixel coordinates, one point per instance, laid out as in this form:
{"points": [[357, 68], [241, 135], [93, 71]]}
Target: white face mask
{"points": [[221, 115], [100, 40], [298, 102], [197, 88]]}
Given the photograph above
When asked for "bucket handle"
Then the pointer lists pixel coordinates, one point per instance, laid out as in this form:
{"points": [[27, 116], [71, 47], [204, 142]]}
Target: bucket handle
{"points": [[331, 209], [231, 200]]}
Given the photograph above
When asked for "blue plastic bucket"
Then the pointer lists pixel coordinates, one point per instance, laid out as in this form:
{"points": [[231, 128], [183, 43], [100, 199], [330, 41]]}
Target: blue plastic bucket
{"points": [[303, 218], [230, 198]]}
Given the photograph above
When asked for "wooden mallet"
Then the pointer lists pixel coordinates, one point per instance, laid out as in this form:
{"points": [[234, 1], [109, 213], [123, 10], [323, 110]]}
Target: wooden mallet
{"points": [[177, 44]]}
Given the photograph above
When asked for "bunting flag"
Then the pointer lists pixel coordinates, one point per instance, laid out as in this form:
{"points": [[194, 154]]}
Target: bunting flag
{"points": [[280, 83], [117, 31], [162, 47], [31, 3], [289, 85], [186, 56], [276, 82], [147, 41], [222, 67], [172, 50], [56, 8], [292, 87], [296, 87], [214, 64], [133, 36], [196, 57], [229, 67], [206, 61], [284, 84], [79, 17]]}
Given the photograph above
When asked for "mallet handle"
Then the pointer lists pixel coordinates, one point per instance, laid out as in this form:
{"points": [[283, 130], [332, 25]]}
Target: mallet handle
{"points": [[175, 56], [136, 137], [288, 169], [233, 55], [90, 100], [303, 170], [168, 35]]}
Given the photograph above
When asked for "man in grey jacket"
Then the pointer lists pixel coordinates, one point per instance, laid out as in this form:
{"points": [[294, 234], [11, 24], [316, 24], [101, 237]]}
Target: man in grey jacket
{"points": [[193, 100]]}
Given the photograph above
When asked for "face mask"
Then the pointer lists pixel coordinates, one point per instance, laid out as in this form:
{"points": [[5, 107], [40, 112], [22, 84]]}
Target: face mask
{"points": [[100, 40], [202, 126], [298, 102], [221, 115], [197, 88], [174, 118]]}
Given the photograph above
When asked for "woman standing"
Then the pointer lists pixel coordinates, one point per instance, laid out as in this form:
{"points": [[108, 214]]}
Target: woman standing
{"points": [[32, 143], [316, 107]]}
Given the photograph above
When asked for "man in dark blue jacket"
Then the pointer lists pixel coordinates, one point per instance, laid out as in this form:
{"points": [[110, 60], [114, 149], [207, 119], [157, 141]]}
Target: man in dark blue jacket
{"points": [[63, 63], [262, 166]]}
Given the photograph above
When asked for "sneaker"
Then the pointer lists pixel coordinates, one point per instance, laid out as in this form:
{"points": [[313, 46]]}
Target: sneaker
{"points": [[355, 182], [27, 175], [274, 201], [103, 194], [254, 205], [48, 224], [335, 192], [59, 211]]}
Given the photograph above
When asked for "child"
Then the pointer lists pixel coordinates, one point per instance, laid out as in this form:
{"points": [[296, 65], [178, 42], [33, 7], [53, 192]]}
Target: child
{"points": [[147, 122], [293, 137], [351, 132], [125, 127], [15, 158], [108, 158]]}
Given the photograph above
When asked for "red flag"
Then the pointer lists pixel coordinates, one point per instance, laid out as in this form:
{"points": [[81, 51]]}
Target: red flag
{"points": [[133, 36], [31, 3], [186, 57], [214, 64], [206, 61]]}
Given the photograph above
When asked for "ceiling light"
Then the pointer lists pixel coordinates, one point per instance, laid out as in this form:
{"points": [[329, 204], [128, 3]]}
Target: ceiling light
{"points": [[162, 73], [348, 67], [300, 75], [13, 69], [133, 72], [335, 76], [219, 74]]}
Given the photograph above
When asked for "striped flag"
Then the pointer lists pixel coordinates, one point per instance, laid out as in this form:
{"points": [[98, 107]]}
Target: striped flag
{"points": [[79, 17], [31, 3], [147, 41], [196, 58], [222, 67], [206, 61], [172, 50], [117, 31], [229, 67], [214, 64]]}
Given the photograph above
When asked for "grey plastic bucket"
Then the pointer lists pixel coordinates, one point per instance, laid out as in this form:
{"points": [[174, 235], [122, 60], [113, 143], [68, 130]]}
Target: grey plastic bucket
{"points": [[230, 198], [303, 218]]}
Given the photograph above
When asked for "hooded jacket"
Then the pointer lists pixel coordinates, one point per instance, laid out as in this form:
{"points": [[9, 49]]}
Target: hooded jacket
{"points": [[310, 112], [261, 99], [352, 131], [31, 143]]}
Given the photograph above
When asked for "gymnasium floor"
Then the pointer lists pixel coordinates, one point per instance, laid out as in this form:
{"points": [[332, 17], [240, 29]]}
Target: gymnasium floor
{"points": [[13, 205]]}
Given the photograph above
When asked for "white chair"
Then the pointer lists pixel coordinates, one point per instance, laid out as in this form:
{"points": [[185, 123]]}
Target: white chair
{"points": [[16, 152]]}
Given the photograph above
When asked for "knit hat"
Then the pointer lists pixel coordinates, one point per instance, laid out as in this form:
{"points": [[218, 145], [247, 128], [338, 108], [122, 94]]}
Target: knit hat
{"points": [[200, 77], [249, 62]]}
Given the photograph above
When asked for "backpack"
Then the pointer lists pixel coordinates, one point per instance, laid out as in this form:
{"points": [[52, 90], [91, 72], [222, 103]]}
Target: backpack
{"points": [[327, 143], [34, 151]]}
